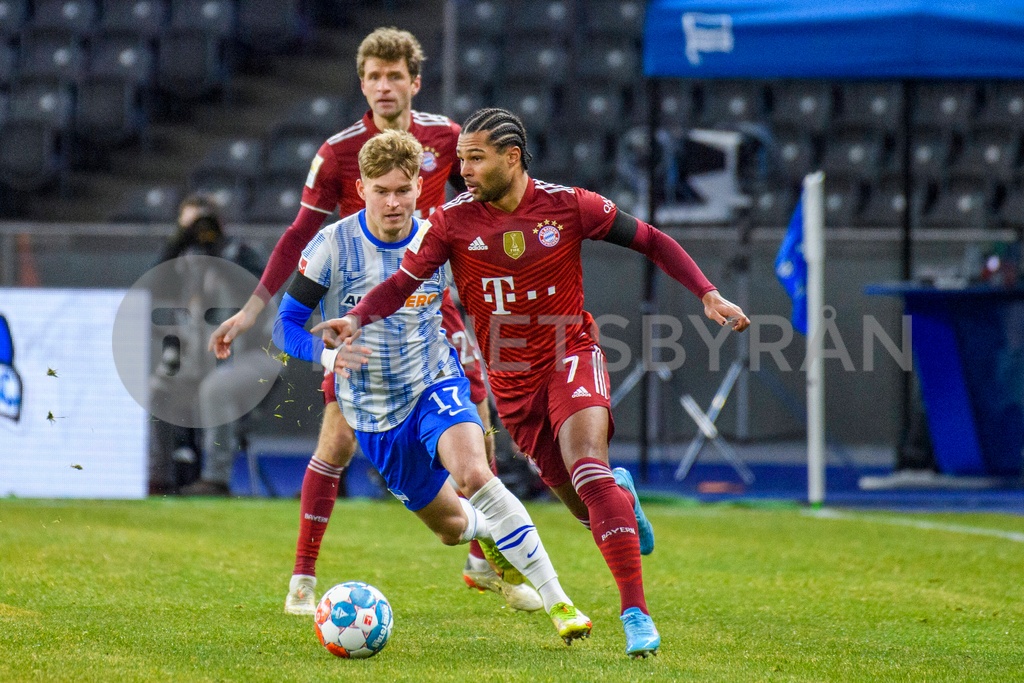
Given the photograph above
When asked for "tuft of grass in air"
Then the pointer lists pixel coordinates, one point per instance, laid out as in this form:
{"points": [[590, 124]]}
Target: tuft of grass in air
{"points": [[193, 590]]}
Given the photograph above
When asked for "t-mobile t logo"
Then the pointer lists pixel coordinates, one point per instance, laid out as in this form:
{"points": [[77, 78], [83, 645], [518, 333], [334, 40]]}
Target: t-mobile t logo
{"points": [[500, 296]]}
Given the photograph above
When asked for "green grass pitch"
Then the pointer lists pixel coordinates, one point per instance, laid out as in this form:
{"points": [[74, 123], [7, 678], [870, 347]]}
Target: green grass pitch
{"points": [[192, 590]]}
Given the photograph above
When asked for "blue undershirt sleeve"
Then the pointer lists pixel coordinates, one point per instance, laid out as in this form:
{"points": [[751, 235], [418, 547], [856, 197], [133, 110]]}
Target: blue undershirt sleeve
{"points": [[290, 334]]}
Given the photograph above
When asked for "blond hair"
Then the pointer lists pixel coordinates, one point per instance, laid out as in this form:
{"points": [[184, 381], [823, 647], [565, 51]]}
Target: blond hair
{"points": [[389, 150], [390, 45]]}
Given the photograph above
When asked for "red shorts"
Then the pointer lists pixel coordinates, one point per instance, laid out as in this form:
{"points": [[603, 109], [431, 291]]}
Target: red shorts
{"points": [[533, 412], [328, 388]]}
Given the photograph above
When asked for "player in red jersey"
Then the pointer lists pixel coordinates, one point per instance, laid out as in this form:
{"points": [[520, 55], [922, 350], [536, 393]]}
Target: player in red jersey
{"points": [[514, 248], [388, 63]]}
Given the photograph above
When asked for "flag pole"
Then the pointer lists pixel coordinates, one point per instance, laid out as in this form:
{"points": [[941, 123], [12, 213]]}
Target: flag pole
{"points": [[814, 254]]}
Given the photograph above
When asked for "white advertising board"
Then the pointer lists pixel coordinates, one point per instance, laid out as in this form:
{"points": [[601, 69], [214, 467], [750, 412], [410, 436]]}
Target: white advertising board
{"points": [[68, 426]]}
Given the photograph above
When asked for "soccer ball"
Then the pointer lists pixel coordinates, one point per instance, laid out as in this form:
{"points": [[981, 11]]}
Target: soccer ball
{"points": [[354, 620]]}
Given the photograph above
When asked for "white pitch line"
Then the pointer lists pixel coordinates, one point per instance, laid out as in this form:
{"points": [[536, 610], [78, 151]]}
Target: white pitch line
{"points": [[826, 513]]}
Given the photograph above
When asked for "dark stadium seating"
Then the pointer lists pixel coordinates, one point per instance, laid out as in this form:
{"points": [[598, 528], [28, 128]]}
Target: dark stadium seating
{"points": [[31, 155], [271, 26], [802, 104], [212, 17], [52, 54], [589, 160], [478, 63], [275, 201], [533, 18], [50, 104], [8, 64], [535, 106], [876, 105], [613, 18], [773, 206], [993, 153], [239, 157], [854, 155], [108, 111], [75, 16], [13, 15], [886, 201], [930, 153], [1003, 106], [292, 153], [543, 64], [730, 102], [466, 101], [960, 203], [478, 19], [843, 199], [320, 116], [947, 106], [129, 57], [1011, 210], [190, 63], [156, 203], [145, 18], [794, 155], [609, 61], [230, 193], [599, 108]]}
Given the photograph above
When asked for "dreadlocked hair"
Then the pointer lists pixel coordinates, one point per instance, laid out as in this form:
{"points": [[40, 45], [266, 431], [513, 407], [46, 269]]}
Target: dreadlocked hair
{"points": [[506, 130]]}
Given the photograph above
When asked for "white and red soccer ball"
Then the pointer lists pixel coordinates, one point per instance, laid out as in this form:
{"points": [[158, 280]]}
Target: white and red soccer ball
{"points": [[353, 620]]}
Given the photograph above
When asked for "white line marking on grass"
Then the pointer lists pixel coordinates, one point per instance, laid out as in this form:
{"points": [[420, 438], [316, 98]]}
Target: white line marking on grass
{"points": [[826, 513]]}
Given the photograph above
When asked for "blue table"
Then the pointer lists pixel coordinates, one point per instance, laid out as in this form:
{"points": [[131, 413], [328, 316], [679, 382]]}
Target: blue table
{"points": [[969, 354]]}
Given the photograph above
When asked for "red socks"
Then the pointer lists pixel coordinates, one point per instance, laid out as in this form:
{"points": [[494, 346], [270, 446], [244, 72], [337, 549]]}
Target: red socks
{"points": [[319, 491], [613, 524]]}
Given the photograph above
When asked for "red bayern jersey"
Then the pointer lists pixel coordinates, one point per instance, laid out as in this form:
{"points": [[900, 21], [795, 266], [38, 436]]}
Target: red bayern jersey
{"points": [[519, 274], [332, 176]]}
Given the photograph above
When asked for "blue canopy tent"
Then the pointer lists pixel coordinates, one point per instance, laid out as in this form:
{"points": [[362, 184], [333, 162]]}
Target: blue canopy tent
{"points": [[845, 39]]}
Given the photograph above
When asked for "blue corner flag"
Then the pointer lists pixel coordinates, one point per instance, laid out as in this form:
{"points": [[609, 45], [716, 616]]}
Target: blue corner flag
{"points": [[791, 269]]}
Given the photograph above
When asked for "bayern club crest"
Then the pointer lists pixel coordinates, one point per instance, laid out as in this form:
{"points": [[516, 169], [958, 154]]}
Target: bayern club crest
{"points": [[548, 233], [429, 160]]}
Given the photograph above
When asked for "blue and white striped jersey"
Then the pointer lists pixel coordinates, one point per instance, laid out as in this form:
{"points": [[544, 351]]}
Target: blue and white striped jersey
{"points": [[410, 351]]}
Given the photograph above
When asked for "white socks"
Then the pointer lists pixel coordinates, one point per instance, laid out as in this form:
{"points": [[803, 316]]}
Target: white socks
{"points": [[518, 540], [477, 526]]}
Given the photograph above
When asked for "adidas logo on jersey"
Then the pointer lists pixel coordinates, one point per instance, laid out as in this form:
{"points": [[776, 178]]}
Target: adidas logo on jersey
{"points": [[581, 393], [477, 245]]}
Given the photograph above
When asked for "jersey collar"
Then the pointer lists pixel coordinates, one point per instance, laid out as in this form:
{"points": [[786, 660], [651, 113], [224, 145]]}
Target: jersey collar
{"points": [[386, 245]]}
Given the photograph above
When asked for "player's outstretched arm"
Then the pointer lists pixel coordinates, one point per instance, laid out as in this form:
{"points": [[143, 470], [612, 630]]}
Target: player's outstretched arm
{"points": [[724, 312], [280, 266]]}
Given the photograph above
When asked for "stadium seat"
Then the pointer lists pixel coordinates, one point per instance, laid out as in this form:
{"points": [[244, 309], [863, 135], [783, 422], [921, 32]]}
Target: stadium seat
{"points": [[854, 155], [842, 202], [993, 153], [478, 19], [320, 116], [949, 106], [1004, 106], [773, 206], [108, 111], [212, 17], [271, 26], [589, 160], [876, 105], [930, 153], [1011, 210], [544, 64], [5, 104], [886, 202], [13, 15], [533, 18], [292, 154], [535, 106], [478, 64], [275, 201], [466, 101], [230, 193], [31, 155], [74, 16], [614, 18], [240, 157], [726, 103], [148, 204], [47, 54], [190, 63], [146, 18], [802, 104], [50, 104], [609, 62], [677, 103], [122, 56], [599, 108], [960, 203], [552, 157], [794, 155]]}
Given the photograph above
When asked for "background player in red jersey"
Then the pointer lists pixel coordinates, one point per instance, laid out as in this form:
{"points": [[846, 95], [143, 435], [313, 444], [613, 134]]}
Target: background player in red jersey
{"points": [[388, 63], [514, 248]]}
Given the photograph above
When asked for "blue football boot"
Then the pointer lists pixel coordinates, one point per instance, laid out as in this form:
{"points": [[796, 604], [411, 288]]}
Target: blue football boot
{"points": [[643, 525], [642, 638]]}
